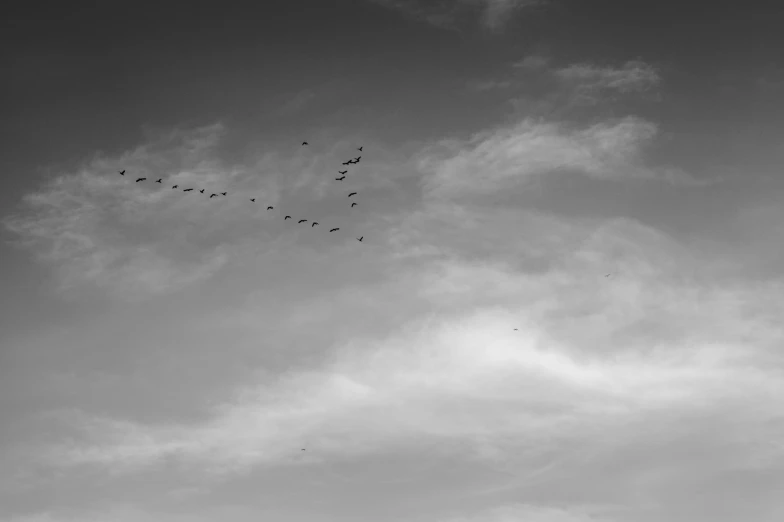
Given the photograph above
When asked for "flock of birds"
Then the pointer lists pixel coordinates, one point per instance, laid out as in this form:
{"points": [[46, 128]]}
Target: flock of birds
{"points": [[352, 161]]}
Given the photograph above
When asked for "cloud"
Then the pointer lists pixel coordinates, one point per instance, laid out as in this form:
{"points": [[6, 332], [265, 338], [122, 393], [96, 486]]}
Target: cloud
{"points": [[507, 158], [591, 357], [592, 83], [533, 513], [494, 14]]}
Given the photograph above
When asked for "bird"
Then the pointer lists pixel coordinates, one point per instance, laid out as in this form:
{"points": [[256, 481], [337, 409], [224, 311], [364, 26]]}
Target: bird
{"points": [[608, 275], [354, 204], [342, 171], [202, 191], [212, 195], [187, 190], [360, 238], [352, 194], [301, 220], [356, 160], [122, 173], [287, 217], [515, 329], [175, 186], [346, 162], [269, 208], [140, 179], [158, 180], [314, 224], [334, 229], [304, 142], [340, 178], [253, 199], [223, 193], [360, 149]]}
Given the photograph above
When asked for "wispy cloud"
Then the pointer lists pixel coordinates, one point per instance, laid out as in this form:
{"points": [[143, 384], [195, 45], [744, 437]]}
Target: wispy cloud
{"points": [[591, 83], [494, 14]]}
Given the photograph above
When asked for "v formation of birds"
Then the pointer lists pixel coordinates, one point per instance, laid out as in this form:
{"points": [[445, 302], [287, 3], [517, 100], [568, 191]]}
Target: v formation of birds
{"points": [[352, 161]]}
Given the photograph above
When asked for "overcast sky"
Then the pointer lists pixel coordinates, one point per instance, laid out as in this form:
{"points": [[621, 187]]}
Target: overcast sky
{"points": [[567, 304]]}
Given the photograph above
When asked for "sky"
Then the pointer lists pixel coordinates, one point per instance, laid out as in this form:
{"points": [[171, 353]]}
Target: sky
{"points": [[566, 306]]}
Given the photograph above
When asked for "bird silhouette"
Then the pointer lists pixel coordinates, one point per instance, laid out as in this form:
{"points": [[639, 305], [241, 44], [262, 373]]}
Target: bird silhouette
{"points": [[314, 224], [212, 195], [354, 204], [202, 191], [340, 178], [356, 160], [223, 193], [360, 149], [140, 179], [301, 220], [515, 329], [158, 180], [342, 171], [346, 162], [269, 208], [304, 142], [334, 229], [175, 186], [360, 238], [253, 199], [122, 173], [352, 194], [187, 190], [287, 217]]}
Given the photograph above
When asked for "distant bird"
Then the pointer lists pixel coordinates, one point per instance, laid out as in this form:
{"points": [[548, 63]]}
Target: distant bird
{"points": [[334, 229], [342, 171], [352, 194], [287, 217], [269, 208], [340, 178], [301, 220], [122, 173], [360, 149], [608, 275], [360, 238], [354, 204], [346, 162], [187, 190], [314, 224], [158, 180], [223, 193], [356, 160], [253, 199], [175, 186], [515, 329], [212, 195], [304, 142], [202, 191], [140, 179]]}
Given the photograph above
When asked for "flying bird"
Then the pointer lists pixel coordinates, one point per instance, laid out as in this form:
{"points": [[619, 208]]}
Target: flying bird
{"points": [[340, 178], [304, 142], [360, 238], [342, 171], [223, 193], [212, 195], [158, 180], [334, 229], [140, 179], [354, 204], [301, 220], [346, 162], [360, 149], [287, 217], [187, 190], [352, 194], [269, 208], [253, 199], [122, 173], [175, 186], [314, 224], [202, 191], [515, 329]]}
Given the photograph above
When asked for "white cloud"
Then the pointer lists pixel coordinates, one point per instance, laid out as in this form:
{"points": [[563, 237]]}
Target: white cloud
{"points": [[592, 83], [495, 14], [508, 157]]}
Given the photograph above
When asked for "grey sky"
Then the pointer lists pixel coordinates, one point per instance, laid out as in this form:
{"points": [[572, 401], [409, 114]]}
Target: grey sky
{"points": [[566, 306]]}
